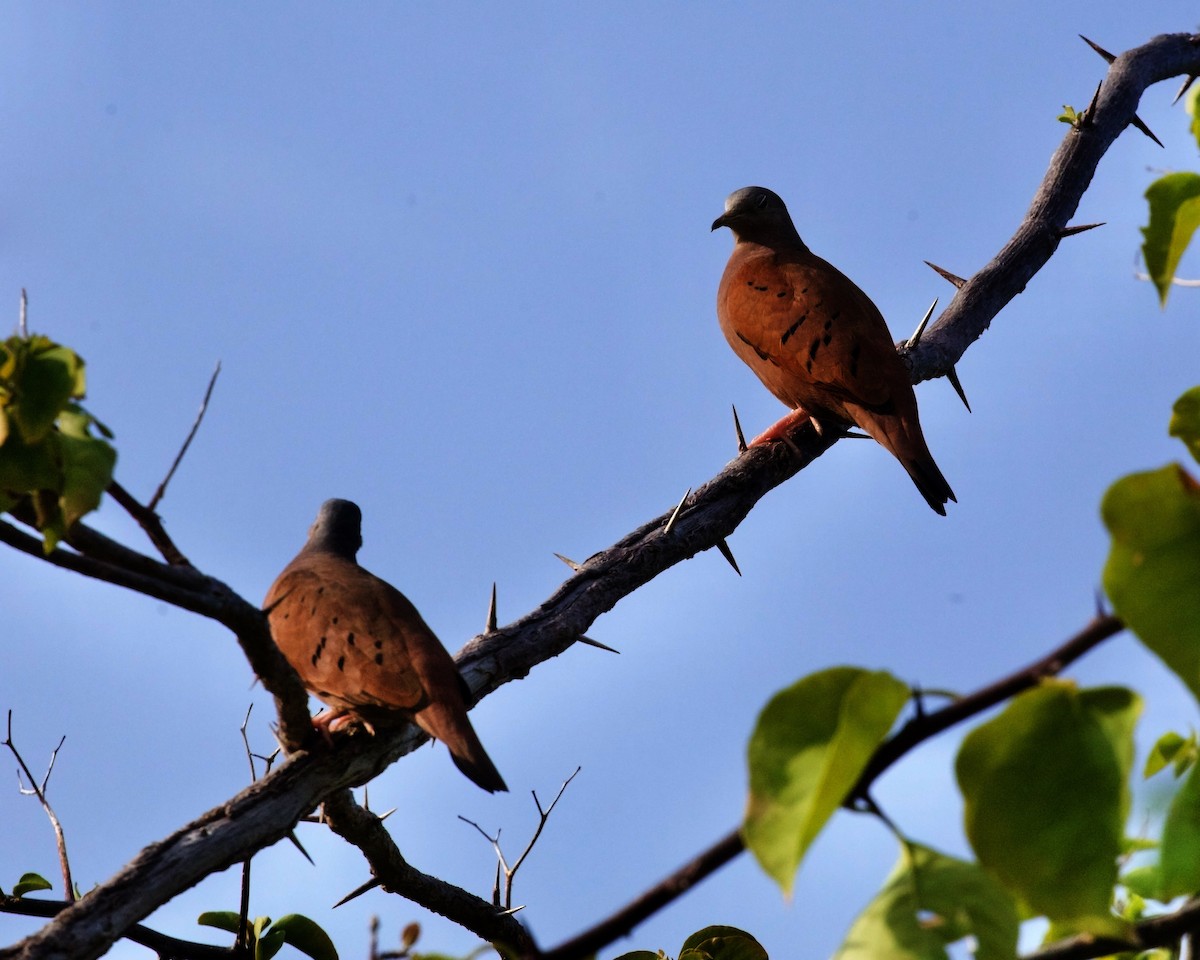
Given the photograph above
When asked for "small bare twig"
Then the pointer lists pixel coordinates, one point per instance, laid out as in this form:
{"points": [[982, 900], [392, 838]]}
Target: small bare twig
{"points": [[34, 790], [502, 867], [151, 525], [162, 487]]}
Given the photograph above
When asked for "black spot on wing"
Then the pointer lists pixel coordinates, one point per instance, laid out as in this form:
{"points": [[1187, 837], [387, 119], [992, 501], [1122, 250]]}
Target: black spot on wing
{"points": [[792, 329]]}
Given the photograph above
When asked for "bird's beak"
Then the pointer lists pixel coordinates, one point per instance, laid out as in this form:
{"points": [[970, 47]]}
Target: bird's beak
{"points": [[721, 221]]}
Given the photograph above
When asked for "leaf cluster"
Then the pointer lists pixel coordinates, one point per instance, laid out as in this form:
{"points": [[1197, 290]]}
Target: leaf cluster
{"points": [[48, 453]]}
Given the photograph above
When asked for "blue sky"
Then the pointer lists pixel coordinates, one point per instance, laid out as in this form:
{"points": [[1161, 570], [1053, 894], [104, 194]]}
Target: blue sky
{"points": [[456, 266]]}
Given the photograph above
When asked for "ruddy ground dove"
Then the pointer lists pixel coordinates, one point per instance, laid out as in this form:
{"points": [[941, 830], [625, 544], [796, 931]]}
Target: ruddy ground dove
{"points": [[360, 646], [815, 339]]}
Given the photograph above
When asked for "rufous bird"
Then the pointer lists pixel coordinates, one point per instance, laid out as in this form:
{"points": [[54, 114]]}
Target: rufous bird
{"points": [[815, 339], [362, 647]]}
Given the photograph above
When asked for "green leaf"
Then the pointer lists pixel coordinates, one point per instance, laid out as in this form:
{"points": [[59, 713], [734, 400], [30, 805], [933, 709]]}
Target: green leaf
{"points": [[228, 920], [722, 943], [42, 376], [1045, 785], [1185, 420], [1143, 881], [1180, 848], [87, 470], [266, 945], [1069, 115], [808, 748], [1152, 574], [929, 901], [306, 936], [30, 882], [1174, 215], [1193, 103]]}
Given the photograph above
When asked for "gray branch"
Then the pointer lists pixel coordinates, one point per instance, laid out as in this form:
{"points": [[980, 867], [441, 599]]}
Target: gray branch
{"points": [[267, 811]]}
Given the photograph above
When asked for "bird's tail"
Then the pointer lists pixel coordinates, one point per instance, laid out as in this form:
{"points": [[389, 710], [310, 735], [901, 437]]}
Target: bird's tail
{"points": [[478, 767], [454, 729], [900, 434], [930, 482]]}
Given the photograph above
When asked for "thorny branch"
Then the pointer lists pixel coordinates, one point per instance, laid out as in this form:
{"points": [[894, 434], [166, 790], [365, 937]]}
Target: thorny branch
{"points": [[266, 811]]}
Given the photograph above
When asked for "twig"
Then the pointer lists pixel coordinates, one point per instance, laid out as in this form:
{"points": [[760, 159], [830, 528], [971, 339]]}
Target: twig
{"points": [[34, 790], [22, 320], [151, 524], [162, 487], [363, 829], [502, 867]]}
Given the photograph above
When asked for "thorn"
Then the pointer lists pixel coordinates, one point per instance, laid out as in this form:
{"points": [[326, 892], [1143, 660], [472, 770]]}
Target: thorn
{"points": [[816, 426], [916, 337], [1087, 117], [1184, 89], [23, 320], [952, 376], [299, 846], [946, 274], [1108, 57], [359, 891], [511, 910], [384, 816], [728, 555], [675, 514], [1081, 228], [570, 563], [1101, 608], [596, 643], [741, 437], [853, 435], [1137, 122], [490, 626]]}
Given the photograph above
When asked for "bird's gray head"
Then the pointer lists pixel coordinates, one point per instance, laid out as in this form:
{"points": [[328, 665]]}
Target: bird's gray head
{"points": [[758, 215], [337, 529]]}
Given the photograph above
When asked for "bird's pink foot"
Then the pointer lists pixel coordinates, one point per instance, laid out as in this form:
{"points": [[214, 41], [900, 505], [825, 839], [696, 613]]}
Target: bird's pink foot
{"points": [[329, 722], [785, 426]]}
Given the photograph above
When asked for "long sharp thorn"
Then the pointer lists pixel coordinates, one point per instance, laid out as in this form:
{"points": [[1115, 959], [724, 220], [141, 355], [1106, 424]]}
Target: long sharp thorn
{"points": [[855, 435], [676, 512], [952, 376], [916, 337], [1137, 122], [569, 562], [490, 626], [946, 274], [299, 846], [1080, 228], [728, 555], [1108, 57], [384, 816], [741, 437], [1088, 116], [597, 644], [1184, 89], [359, 891]]}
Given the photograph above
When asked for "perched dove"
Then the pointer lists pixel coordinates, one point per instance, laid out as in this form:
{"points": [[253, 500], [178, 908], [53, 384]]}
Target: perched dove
{"points": [[360, 646], [815, 339]]}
